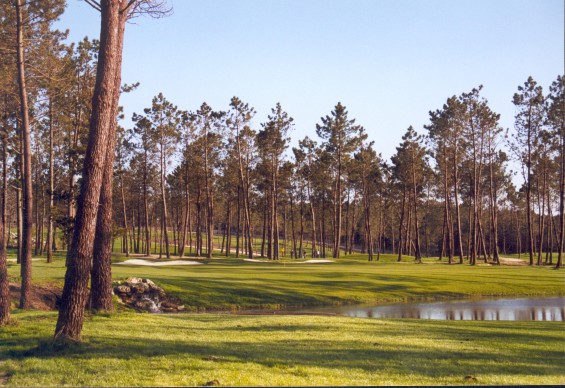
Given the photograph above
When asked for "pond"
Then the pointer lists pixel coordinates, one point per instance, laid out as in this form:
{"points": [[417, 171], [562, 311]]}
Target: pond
{"points": [[523, 309]]}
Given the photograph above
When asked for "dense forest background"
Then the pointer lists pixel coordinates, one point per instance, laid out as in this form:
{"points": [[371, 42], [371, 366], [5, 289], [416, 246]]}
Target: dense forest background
{"points": [[211, 181]]}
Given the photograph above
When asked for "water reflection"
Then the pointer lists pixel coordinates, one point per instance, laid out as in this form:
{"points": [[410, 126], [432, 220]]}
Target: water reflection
{"points": [[525, 309]]}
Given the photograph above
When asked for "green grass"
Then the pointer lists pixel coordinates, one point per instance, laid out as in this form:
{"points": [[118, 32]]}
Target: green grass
{"points": [[235, 284], [129, 349], [142, 349]]}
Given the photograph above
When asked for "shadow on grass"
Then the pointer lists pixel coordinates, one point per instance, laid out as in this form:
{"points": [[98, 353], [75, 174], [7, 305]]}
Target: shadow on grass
{"points": [[305, 349]]}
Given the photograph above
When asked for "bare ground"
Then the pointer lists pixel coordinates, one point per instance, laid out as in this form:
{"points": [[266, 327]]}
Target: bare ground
{"points": [[44, 297]]}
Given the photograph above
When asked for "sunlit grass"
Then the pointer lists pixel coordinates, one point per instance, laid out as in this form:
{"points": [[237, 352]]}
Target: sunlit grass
{"points": [[142, 349], [235, 283], [129, 349]]}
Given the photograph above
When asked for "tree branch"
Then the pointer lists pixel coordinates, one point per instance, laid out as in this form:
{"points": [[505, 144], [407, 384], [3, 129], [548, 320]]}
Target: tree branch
{"points": [[94, 4]]}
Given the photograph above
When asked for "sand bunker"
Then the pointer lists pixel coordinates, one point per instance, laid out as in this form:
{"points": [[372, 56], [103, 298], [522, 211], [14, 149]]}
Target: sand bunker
{"points": [[316, 261], [158, 263]]}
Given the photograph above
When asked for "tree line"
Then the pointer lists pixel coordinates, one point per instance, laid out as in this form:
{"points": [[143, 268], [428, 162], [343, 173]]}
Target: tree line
{"points": [[211, 182]]}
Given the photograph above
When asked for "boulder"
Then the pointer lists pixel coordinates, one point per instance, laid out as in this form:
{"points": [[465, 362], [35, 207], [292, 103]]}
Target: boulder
{"points": [[144, 295]]}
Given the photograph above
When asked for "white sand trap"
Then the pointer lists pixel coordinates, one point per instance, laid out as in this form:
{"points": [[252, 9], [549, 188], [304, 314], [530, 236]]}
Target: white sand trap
{"points": [[14, 260], [317, 261], [256, 260], [158, 263]]}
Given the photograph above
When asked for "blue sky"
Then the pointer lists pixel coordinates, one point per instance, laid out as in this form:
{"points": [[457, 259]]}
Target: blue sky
{"points": [[389, 61]]}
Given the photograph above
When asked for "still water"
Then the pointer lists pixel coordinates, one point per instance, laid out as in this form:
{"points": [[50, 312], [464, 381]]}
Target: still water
{"points": [[524, 309]]}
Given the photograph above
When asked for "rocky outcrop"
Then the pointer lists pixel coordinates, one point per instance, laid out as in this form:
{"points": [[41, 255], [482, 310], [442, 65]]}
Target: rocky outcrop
{"points": [[144, 295]]}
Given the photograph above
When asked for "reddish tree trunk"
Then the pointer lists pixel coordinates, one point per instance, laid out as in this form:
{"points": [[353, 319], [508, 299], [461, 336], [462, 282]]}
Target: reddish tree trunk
{"points": [[4, 281], [27, 215], [79, 256]]}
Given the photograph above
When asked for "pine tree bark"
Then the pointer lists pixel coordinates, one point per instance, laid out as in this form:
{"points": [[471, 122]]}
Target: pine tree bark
{"points": [[418, 254], [561, 199], [51, 188], [79, 256], [27, 203], [4, 281], [101, 274], [401, 224]]}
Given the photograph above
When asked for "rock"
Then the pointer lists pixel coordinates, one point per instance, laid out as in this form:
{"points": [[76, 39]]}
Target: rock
{"points": [[212, 383], [122, 290], [140, 288], [181, 308], [149, 282], [144, 294]]}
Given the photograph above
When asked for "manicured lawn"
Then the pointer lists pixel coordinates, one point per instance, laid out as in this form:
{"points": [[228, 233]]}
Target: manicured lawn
{"points": [[128, 348], [234, 283], [142, 349]]}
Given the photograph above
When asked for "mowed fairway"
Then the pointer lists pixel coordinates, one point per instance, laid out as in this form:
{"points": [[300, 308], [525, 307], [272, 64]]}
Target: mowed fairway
{"points": [[234, 283], [127, 348], [142, 349]]}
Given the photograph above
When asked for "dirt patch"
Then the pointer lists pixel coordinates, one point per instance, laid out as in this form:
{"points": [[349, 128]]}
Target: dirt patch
{"points": [[4, 378], [44, 297]]}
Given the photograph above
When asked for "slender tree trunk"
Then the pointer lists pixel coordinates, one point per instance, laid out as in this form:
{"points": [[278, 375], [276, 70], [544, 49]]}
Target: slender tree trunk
{"points": [[19, 217], [27, 203], [264, 233], [227, 231], [418, 254], [101, 273], [531, 246], [401, 224], [4, 280], [457, 210], [293, 230], [186, 216], [494, 214], [238, 230], [561, 240], [146, 207], [542, 216], [79, 256], [313, 215], [49, 244], [125, 214], [164, 205]]}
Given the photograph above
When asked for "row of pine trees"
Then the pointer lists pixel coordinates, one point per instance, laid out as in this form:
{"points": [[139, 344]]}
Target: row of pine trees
{"points": [[210, 182]]}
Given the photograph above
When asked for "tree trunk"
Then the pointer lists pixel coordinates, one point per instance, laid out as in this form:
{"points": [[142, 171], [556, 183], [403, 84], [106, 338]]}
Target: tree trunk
{"points": [[531, 246], [27, 203], [79, 256], [125, 214], [101, 273], [49, 243], [164, 205], [4, 280], [400, 234], [561, 241], [457, 210]]}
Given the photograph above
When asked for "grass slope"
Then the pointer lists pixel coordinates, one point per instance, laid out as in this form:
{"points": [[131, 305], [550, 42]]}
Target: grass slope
{"points": [[141, 349], [235, 284], [129, 349]]}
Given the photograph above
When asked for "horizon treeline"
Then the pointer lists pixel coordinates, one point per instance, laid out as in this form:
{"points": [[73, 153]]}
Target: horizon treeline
{"points": [[210, 182]]}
